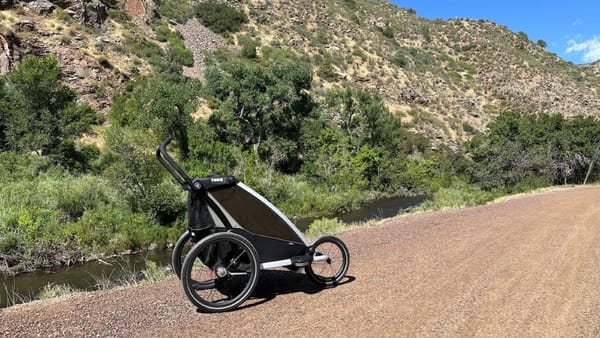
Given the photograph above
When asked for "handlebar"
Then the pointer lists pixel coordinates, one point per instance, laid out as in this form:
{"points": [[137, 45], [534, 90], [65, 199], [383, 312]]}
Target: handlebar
{"points": [[172, 167]]}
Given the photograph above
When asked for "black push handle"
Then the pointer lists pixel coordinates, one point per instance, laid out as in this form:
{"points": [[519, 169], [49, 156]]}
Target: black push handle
{"points": [[172, 167]]}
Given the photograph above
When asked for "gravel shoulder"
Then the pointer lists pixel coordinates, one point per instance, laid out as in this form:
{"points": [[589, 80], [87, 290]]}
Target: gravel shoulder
{"points": [[527, 266]]}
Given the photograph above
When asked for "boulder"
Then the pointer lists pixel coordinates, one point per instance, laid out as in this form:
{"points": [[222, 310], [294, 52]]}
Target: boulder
{"points": [[41, 6], [95, 13], [92, 12], [9, 53]]}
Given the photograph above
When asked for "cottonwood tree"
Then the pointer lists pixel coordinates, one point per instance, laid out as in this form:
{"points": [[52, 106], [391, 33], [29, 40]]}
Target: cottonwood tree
{"points": [[261, 106], [39, 113]]}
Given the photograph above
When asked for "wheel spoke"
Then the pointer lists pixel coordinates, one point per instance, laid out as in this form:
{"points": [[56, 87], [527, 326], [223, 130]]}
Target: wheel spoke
{"points": [[210, 292], [236, 259], [238, 274]]}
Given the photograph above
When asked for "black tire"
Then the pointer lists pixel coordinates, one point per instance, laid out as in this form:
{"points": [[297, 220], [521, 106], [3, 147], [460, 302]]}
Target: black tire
{"points": [[179, 254], [220, 272], [328, 272]]}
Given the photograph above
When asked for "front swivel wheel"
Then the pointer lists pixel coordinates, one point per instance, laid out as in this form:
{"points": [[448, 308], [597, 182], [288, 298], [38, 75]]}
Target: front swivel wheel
{"points": [[330, 263]]}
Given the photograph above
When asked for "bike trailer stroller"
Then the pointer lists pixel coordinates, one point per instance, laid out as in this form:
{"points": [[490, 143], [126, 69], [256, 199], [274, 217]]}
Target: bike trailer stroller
{"points": [[236, 232]]}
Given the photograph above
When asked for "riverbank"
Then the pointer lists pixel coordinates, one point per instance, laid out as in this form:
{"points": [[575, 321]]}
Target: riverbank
{"points": [[460, 272], [85, 273], [55, 256]]}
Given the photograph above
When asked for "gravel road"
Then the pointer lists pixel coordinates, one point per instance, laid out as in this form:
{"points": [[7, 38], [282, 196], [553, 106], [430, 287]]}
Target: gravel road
{"points": [[528, 266]]}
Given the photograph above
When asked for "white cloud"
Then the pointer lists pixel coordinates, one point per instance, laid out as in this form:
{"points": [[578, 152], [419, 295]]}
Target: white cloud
{"points": [[577, 22], [590, 49]]}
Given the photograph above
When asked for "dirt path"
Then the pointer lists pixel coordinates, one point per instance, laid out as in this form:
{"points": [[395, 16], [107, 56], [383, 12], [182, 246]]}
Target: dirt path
{"points": [[528, 266]]}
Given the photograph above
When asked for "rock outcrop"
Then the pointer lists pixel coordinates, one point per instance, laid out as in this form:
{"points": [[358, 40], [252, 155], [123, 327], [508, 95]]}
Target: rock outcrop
{"points": [[142, 13], [92, 12], [5, 56]]}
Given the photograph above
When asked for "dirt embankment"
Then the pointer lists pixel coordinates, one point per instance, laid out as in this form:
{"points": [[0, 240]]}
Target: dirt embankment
{"points": [[529, 266]]}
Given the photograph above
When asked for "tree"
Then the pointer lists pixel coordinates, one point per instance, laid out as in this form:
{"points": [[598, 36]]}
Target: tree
{"points": [[163, 103], [364, 116], [40, 114], [542, 43], [168, 107], [262, 105], [220, 18], [542, 148]]}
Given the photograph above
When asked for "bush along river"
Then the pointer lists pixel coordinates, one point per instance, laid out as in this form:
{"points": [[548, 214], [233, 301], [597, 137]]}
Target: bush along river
{"points": [[105, 273]]}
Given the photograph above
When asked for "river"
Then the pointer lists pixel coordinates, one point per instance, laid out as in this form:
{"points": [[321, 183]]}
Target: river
{"points": [[89, 275]]}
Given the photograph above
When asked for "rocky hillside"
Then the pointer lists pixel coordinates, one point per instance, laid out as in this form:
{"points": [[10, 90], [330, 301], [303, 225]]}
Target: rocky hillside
{"points": [[447, 79]]}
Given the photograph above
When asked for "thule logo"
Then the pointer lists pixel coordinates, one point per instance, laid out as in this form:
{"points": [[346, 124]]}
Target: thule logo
{"points": [[217, 180]]}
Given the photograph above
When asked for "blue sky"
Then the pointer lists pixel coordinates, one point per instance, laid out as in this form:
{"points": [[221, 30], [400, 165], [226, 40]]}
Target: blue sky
{"points": [[571, 29]]}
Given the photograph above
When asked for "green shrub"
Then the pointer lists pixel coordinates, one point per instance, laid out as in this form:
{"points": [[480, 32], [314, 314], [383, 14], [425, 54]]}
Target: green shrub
{"points": [[322, 37], [141, 47], [119, 15], [249, 47], [113, 231], [39, 113], [179, 54], [325, 226], [523, 36], [165, 202], [298, 198], [542, 43], [154, 272], [529, 183], [220, 18], [178, 10], [104, 62], [164, 33], [388, 32], [65, 40], [326, 71], [399, 60], [459, 195], [75, 195], [15, 166], [56, 290], [468, 128]]}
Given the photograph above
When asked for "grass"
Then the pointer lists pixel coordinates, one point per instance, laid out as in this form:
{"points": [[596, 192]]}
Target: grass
{"points": [[325, 226], [14, 298], [125, 276], [459, 195], [55, 291]]}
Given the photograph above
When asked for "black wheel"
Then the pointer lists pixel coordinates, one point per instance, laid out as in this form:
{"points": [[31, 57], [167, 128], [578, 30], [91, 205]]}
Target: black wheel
{"points": [[331, 261], [220, 272], [179, 252]]}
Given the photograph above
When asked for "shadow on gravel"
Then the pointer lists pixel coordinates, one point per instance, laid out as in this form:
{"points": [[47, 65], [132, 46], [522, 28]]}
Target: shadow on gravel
{"points": [[272, 283]]}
